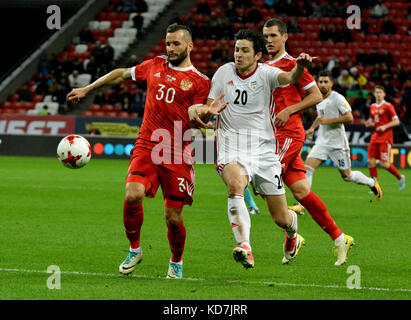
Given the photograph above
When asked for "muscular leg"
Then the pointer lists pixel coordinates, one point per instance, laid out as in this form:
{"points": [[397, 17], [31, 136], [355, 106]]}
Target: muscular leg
{"points": [[133, 212], [311, 164], [176, 232], [372, 165]]}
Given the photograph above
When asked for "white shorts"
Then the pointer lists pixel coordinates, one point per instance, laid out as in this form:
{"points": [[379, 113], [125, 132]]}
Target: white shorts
{"points": [[263, 169], [341, 157]]}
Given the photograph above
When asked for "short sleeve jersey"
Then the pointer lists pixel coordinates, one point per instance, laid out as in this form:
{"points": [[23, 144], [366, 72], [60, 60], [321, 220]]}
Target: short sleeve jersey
{"points": [[288, 95], [381, 114], [332, 135], [170, 92], [250, 108]]}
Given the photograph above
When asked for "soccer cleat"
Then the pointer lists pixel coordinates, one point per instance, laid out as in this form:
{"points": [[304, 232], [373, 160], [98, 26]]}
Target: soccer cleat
{"points": [[401, 183], [342, 250], [132, 259], [243, 255], [254, 211], [175, 271], [377, 190], [292, 247], [297, 208]]}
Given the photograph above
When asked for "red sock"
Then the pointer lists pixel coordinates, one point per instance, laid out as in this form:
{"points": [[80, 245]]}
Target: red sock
{"points": [[373, 172], [319, 212], [393, 170], [133, 220], [177, 238]]}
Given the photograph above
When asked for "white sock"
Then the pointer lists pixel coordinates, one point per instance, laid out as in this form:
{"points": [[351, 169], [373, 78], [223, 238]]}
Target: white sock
{"points": [[339, 239], [291, 230], [180, 262], [135, 249], [239, 219], [309, 175], [360, 178]]}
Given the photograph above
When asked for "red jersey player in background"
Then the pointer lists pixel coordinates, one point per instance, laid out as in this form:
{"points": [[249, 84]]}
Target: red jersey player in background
{"points": [[161, 154], [290, 134], [383, 118]]}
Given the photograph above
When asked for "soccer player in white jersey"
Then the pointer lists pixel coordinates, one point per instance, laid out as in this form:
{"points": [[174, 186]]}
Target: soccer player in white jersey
{"points": [[331, 142], [245, 139]]}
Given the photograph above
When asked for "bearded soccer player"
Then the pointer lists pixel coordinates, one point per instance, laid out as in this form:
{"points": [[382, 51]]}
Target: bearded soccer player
{"points": [[290, 135], [331, 142], [383, 118], [161, 154]]}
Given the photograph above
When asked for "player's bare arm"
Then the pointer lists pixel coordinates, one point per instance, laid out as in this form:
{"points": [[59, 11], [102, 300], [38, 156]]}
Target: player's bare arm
{"points": [[310, 131], [389, 125], [110, 79], [296, 73], [369, 123], [199, 114], [345, 118], [312, 98]]}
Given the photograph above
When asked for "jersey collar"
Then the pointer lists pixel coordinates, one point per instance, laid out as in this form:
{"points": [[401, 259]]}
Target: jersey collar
{"points": [[278, 59], [247, 76], [180, 69]]}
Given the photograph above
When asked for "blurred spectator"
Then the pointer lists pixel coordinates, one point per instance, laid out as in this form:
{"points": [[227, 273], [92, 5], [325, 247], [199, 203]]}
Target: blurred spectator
{"points": [[324, 33], [307, 9], [74, 80], [376, 74], [59, 95], [331, 63], [138, 102], [108, 54], [138, 22], [100, 98], [406, 101], [92, 68], [119, 6], [41, 84], [98, 54], [362, 58], [133, 61], [269, 4], [241, 18], [387, 58], [44, 111], [388, 27], [78, 65], [86, 36], [25, 94], [52, 88], [336, 70], [129, 6], [344, 80], [192, 24], [126, 105], [402, 75], [203, 8], [254, 15], [292, 26], [242, 3], [212, 26], [230, 12], [379, 10], [226, 28], [67, 65], [227, 54], [44, 63], [359, 102], [374, 57], [54, 63], [357, 80], [390, 91], [141, 6], [365, 111], [317, 11], [335, 34]]}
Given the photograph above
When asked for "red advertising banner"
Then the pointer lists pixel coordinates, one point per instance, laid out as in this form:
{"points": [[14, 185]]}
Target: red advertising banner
{"points": [[21, 124]]}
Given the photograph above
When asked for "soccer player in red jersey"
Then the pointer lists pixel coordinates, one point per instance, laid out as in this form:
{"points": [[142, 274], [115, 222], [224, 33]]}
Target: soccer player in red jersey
{"points": [[162, 153], [290, 134], [383, 118]]}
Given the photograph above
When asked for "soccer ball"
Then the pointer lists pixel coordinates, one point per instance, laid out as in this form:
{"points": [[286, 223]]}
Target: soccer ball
{"points": [[74, 151]]}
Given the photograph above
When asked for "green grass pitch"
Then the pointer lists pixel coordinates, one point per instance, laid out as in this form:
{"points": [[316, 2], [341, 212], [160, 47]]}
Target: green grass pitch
{"points": [[72, 219]]}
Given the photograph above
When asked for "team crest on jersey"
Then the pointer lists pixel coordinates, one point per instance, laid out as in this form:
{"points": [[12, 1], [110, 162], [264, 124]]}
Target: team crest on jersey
{"points": [[170, 78], [253, 85], [381, 111], [186, 85]]}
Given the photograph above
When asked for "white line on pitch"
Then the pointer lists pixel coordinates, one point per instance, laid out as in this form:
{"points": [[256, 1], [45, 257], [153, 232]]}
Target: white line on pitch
{"points": [[217, 280]]}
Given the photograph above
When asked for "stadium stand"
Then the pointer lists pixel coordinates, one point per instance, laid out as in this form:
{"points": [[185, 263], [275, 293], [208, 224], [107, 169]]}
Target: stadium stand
{"points": [[315, 27]]}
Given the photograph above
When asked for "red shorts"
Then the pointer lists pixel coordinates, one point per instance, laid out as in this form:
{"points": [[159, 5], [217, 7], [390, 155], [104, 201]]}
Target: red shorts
{"points": [[177, 181], [291, 162], [380, 151]]}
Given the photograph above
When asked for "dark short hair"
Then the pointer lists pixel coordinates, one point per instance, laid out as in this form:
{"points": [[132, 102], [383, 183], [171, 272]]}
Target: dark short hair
{"points": [[251, 35], [379, 87], [176, 27], [282, 27], [325, 73]]}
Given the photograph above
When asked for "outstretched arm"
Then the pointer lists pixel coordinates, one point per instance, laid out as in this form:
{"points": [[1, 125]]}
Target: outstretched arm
{"points": [[110, 79], [294, 75]]}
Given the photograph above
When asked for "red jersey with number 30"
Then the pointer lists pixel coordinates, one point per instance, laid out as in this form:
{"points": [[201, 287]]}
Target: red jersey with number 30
{"points": [[170, 92], [288, 95], [381, 114]]}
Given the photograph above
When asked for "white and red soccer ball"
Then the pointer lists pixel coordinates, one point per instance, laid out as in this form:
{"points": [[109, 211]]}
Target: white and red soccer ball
{"points": [[74, 151]]}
